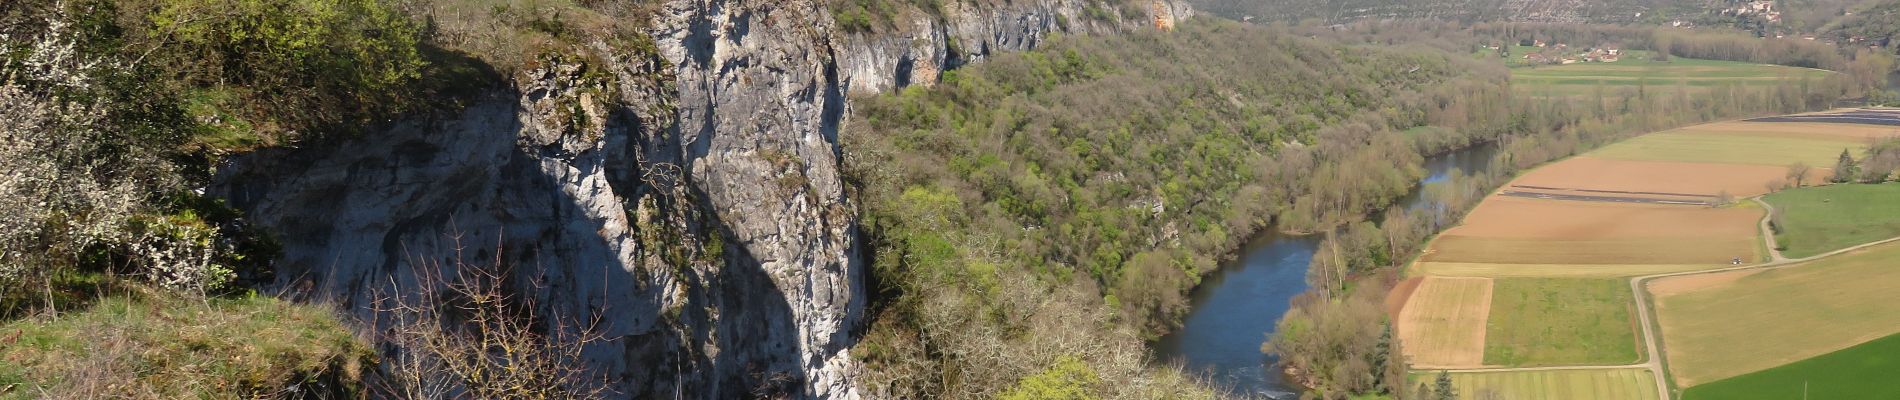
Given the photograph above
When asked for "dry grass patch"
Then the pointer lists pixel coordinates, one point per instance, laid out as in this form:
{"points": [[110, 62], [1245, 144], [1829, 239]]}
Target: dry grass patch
{"points": [[1442, 325], [1643, 251], [1593, 384], [1591, 172], [1735, 323], [1552, 270]]}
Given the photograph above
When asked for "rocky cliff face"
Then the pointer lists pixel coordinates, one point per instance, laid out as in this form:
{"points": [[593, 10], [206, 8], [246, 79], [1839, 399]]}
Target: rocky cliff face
{"points": [[690, 199], [919, 48]]}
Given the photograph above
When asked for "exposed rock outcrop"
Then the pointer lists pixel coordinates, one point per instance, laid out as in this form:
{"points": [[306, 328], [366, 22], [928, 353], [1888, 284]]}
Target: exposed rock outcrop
{"points": [[923, 45], [688, 198]]}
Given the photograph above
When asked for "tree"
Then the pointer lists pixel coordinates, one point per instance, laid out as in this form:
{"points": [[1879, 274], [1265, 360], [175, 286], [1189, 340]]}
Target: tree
{"points": [[1150, 291], [1883, 156], [1381, 354], [466, 329], [1798, 173], [1845, 169], [1445, 391], [1069, 378], [1869, 71]]}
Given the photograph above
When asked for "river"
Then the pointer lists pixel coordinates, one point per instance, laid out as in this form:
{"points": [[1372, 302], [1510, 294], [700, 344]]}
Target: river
{"points": [[1234, 309]]}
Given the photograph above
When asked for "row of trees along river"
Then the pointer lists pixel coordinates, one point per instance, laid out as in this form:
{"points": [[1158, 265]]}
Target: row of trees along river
{"points": [[1043, 215]]}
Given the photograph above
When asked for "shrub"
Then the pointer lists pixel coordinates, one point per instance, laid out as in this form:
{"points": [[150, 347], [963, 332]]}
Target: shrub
{"points": [[151, 344], [294, 65], [1068, 379]]}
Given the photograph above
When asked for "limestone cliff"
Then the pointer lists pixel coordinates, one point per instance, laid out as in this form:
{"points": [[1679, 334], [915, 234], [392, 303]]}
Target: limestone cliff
{"points": [[689, 197], [921, 46]]}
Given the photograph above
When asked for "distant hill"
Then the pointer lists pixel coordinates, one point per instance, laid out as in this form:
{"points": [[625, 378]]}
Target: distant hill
{"points": [[1329, 11]]}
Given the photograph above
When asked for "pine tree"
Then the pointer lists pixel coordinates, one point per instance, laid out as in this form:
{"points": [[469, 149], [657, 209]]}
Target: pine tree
{"points": [[1845, 170], [1445, 390], [1381, 352]]}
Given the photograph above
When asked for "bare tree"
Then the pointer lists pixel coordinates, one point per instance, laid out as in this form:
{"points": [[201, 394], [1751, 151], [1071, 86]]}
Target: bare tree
{"points": [[1798, 173], [462, 333]]}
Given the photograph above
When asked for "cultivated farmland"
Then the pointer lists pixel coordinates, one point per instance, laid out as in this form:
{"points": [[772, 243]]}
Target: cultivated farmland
{"points": [[1593, 384], [1509, 230], [1443, 323], [1555, 240], [1589, 172], [1636, 71], [1509, 217], [1816, 220], [1490, 270], [1727, 324], [1678, 250], [1865, 371], [1722, 147], [1851, 133], [1539, 322]]}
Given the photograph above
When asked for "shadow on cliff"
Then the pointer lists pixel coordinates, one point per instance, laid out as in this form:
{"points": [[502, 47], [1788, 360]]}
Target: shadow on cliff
{"points": [[355, 216]]}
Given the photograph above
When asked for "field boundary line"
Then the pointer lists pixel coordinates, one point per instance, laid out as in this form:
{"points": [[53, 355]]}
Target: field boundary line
{"points": [[1652, 332]]}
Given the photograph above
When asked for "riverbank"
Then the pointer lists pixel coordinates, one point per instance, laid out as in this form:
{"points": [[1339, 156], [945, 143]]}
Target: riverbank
{"points": [[1235, 307]]}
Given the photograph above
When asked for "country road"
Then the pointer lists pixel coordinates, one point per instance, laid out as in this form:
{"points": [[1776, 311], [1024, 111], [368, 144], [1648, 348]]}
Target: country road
{"points": [[1653, 360]]}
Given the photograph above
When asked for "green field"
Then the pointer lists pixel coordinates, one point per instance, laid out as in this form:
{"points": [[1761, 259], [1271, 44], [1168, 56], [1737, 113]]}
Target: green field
{"points": [[1748, 148], [1635, 69], [1866, 371], [1820, 219], [1735, 323], [1592, 384], [1542, 322]]}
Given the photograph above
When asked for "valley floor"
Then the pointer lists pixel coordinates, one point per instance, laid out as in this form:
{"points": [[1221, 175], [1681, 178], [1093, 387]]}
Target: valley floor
{"points": [[1632, 271]]}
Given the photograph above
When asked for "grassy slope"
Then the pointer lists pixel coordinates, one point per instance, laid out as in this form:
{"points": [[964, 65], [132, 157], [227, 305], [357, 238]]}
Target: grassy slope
{"points": [[1537, 322], [1770, 318], [1859, 372], [165, 346], [1825, 218]]}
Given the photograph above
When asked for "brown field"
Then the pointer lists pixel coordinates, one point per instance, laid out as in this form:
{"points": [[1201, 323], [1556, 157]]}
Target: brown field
{"points": [[1395, 299], [1672, 286], [1728, 324], [1852, 133], [1586, 172], [1443, 323], [1510, 230], [1490, 250], [1512, 217], [1552, 270], [1590, 384]]}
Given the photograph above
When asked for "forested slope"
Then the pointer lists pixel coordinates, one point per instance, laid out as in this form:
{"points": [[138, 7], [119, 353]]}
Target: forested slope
{"points": [[1112, 172]]}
